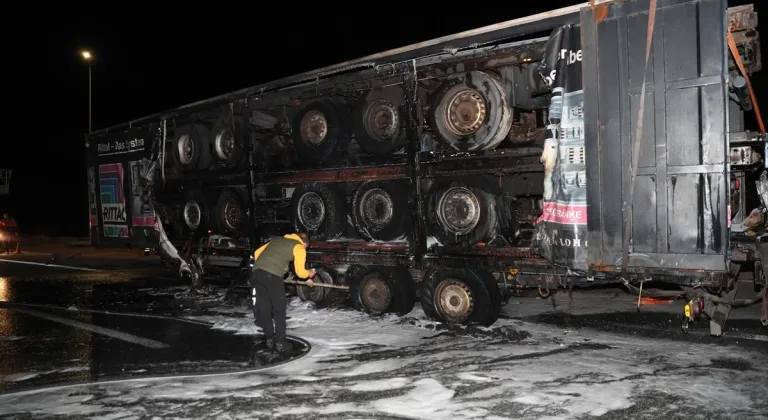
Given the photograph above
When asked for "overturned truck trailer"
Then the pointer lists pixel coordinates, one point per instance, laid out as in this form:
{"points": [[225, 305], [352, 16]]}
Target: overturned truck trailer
{"points": [[599, 143]]}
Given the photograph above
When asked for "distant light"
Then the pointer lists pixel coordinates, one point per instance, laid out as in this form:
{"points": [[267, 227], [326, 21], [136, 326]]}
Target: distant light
{"points": [[86, 55]]}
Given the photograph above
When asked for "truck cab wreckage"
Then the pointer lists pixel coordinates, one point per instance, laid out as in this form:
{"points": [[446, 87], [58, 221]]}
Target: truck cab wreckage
{"points": [[599, 143]]}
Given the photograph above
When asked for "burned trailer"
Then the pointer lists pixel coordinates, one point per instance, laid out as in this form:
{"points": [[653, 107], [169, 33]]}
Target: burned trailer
{"points": [[120, 211], [510, 156]]}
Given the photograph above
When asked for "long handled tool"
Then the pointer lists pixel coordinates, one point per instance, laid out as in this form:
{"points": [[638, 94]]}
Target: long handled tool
{"points": [[314, 284]]}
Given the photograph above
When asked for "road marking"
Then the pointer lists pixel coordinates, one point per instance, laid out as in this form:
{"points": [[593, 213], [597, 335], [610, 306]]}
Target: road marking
{"points": [[50, 265], [146, 342]]}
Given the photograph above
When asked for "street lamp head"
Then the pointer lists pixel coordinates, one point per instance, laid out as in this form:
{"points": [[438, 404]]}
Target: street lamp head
{"points": [[86, 55]]}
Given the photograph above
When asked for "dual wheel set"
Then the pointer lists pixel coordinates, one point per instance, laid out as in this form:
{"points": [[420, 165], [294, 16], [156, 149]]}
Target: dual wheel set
{"points": [[456, 296], [467, 112], [458, 212], [199, 146], [217, 146]]}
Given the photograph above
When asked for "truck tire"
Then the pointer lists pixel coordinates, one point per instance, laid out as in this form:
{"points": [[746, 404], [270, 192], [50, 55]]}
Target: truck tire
{"points": [[229, 137], [380, 210], [379, 125], [191, 147], [320, 210], [379, 290], [195, 212], [470, 112], [462, 213], [320, 130], [461, 296], [320, 296], [231, 211]]}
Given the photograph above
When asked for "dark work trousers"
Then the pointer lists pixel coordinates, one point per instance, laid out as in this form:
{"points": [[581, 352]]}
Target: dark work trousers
{"points": [[8, 241], [270, 303]]}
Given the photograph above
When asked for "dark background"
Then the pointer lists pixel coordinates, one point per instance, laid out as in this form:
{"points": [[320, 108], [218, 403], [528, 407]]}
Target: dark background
{"points": [[148, 61]]}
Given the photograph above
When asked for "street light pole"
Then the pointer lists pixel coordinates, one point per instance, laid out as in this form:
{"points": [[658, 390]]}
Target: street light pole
{"points": [[87, 56], [89, 100]]}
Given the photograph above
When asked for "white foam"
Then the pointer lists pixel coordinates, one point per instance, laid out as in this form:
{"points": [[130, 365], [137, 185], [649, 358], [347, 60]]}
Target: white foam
{"points": [[394, 368]]}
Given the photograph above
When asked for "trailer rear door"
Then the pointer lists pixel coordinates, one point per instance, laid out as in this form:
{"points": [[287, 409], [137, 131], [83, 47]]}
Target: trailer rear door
{"points": [[680, 216]]}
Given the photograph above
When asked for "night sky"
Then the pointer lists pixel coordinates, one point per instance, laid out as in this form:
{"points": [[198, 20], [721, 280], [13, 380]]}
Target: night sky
{"points": [[151, 61]]}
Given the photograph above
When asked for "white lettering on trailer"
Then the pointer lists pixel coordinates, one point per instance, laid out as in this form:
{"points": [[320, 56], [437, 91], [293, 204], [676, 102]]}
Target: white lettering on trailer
{"points": [[113, 213], [116, 147]]}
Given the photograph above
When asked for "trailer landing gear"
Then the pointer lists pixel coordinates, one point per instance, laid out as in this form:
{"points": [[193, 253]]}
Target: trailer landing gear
{"points": [[716, 312], [717, 309]]}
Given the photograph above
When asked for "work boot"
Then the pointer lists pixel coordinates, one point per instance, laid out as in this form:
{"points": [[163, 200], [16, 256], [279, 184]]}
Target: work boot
{"points": [[267, 342], [283, 346]]}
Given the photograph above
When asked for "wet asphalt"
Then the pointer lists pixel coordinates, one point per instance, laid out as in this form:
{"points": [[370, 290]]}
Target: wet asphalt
{"points": [[62, 325], [101, 319]]}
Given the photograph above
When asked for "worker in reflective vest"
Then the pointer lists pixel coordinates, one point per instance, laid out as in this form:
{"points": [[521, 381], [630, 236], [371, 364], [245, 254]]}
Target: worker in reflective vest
{"points": [[9, 231], [270, 265]]}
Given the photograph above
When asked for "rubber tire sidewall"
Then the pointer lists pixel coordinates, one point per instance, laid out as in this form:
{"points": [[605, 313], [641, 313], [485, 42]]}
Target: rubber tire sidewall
{"points": [[498, 120], [485, 291], [206, 222], [396, 96], [241, 139], [224, 196], [335, 211], [400, 284], [335, 140], [201, 137], [401, 212], [487, 225], [327, 295]]}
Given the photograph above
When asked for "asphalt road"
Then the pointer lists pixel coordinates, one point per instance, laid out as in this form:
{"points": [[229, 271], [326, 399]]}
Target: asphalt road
{"points": [[595, 357], [89, 322]]}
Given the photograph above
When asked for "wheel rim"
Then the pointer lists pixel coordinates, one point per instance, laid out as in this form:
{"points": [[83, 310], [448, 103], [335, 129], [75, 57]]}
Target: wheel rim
{"points": [[186, 148], [465, 112], [224, 143], [375, 293], [232, 214], [311, 210], [376, 208], [381, 120], [314, 127], [315, 294], [454, 300], [458, 210], [192, 213]]}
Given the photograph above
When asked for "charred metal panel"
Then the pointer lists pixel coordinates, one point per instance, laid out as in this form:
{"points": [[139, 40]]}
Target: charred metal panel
{"points": [[391, 247], [681, 192], [417, 235], [333, 175], [498, 252], [435, 164], [362, 258]]}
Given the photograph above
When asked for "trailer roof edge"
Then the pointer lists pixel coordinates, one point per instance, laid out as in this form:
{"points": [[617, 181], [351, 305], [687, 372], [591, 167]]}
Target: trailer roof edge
{"points": [[367, 61]]}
